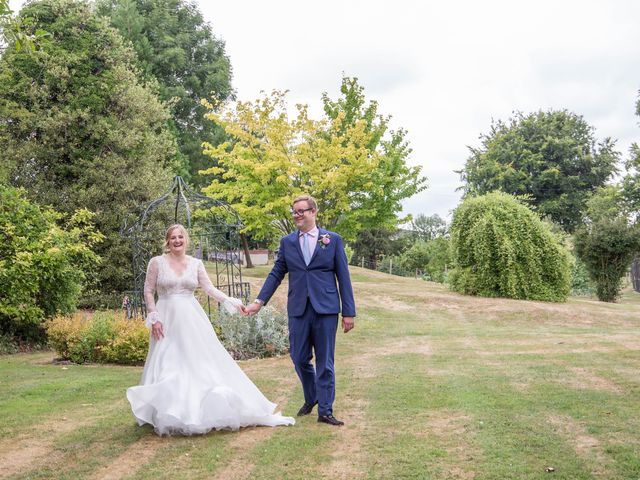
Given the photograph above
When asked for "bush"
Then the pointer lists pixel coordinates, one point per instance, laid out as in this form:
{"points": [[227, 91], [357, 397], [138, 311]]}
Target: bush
{"points": [[130, 345], [501, 248], [262, 335], [109, 337], [432, 257], [100, 337], [7, 345], [581, 284], [42, 265], [607, 248]]}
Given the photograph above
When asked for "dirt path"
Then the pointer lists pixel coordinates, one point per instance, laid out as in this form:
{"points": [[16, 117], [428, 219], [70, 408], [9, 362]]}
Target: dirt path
{"points": [[136, 456], [21, 454], [242, 445]]}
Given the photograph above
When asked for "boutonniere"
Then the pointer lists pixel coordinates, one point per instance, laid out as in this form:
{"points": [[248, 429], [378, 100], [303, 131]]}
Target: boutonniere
{"points": [[325, 240]]}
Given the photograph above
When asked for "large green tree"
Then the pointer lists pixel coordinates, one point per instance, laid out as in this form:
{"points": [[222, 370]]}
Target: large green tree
{"points": [[176, 46], [392, 176], [631, 180], [552, 157], [79, 130]]}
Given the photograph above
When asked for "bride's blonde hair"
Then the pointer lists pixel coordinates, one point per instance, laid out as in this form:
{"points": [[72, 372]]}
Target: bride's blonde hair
{"points": [[167, 236]]}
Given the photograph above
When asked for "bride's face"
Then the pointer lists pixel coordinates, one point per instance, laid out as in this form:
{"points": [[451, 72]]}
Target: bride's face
{"points": [[177, 241]]}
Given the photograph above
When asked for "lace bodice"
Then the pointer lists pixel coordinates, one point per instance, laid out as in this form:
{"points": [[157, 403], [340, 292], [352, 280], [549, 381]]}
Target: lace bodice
{"points": [[163, 279]]}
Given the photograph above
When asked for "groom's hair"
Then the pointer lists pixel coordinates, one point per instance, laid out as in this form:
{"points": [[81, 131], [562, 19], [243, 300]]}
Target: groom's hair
{"points": [[306, 198]]}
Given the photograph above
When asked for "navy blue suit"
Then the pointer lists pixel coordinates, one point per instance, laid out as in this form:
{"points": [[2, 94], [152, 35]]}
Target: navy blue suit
{"points": [[314, 302]]}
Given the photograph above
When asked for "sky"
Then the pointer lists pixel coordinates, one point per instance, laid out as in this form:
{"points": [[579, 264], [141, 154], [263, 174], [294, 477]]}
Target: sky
{"points": [[443, 70]]}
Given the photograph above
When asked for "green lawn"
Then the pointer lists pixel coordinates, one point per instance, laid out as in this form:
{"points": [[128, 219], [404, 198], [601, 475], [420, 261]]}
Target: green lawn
{"points": [[430, 384]]}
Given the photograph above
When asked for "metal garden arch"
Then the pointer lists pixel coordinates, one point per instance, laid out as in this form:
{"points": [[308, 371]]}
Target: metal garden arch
{"points": [[214, 228]]}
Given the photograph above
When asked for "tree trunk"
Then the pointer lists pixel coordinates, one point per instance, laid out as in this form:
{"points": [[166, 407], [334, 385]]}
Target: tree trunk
{"points": [[245, 248]]}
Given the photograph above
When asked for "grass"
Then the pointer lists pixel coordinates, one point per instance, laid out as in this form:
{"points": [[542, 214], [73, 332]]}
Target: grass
{"points": [[431, 384]]}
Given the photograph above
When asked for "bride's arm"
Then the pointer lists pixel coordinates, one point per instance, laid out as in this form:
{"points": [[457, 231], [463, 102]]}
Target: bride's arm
{"points": [[232, 305], [149, 291]]}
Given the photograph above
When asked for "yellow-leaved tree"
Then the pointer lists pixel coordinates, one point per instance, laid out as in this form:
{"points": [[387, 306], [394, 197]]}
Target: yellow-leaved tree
{"points": [[271, 158]]}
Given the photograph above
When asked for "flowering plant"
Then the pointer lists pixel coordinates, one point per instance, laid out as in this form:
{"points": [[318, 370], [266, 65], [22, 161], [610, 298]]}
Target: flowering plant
{"points": [[325, 240]]}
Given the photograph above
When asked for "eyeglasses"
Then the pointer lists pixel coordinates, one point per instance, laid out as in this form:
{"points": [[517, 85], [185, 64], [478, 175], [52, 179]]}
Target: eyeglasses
{"points": [[299, 213]]}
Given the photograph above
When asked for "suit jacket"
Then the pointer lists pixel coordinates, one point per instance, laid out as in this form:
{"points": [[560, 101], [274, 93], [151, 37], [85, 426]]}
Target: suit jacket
{"points": [[316, 281]]}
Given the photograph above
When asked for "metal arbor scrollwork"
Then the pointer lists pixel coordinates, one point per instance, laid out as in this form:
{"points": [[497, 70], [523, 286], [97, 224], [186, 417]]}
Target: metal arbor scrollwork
{"points": [[214, 230]]}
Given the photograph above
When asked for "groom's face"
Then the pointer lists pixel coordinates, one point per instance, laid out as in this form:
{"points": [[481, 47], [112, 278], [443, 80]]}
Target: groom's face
{"points": [[305, 220]]}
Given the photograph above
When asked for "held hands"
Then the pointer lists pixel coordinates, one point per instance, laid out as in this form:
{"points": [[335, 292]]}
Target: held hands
{"points": [[252, 308]]}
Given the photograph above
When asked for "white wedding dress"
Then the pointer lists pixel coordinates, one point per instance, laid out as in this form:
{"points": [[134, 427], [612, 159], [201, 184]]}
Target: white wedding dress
{"points": [[190, 383]]}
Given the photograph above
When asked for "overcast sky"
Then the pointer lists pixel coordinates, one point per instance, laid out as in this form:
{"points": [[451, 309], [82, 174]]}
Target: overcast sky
{"points": [[443, 70]]}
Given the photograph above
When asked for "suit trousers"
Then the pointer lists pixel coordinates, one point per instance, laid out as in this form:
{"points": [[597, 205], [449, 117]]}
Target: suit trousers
{"points": [[309, 334]]}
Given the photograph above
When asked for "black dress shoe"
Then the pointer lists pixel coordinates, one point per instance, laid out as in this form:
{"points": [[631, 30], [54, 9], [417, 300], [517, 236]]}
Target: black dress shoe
{"points": [[330, 419], [306, 409]]}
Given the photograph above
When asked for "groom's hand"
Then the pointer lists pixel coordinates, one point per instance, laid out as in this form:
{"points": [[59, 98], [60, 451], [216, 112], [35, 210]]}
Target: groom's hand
{"points": [[348, 323], [252, 308]]}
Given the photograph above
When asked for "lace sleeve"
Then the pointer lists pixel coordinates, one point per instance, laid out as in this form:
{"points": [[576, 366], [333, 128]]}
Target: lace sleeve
{"points": [[230, 304], [149, 292]]}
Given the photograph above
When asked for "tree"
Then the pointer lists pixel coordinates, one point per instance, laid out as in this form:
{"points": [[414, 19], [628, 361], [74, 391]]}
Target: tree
{"points": [[373, 243], [432, 257], [43, 266], [12, 30], [552, 157], [177, 47], [608, 242], [79, 130], [271, 159], [631, 180], [500, 248], [429, 228], [393, 178]]}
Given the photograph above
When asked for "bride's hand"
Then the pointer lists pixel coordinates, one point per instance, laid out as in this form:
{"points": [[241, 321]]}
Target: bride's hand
{"points": [[243, 310], [157, 331]]}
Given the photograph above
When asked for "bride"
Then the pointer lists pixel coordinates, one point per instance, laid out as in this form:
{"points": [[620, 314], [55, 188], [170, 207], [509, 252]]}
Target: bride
{"points": [[190, 383]]}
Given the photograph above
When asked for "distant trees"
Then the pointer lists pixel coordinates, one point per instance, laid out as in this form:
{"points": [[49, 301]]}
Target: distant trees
{"points": [[429, 227], [631, 180], [551, 157], [432, 258]]}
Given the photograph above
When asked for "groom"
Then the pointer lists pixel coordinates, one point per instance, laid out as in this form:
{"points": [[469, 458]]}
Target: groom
{"points": [[314, 259]]}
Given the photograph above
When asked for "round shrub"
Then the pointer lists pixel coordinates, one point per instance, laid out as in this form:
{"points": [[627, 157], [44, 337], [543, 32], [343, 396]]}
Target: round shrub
{"points": [[101, 337], [501, 248]]}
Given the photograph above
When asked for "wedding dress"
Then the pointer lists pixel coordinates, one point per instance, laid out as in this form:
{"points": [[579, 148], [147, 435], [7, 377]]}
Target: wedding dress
{"points": [[190, 383]]}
